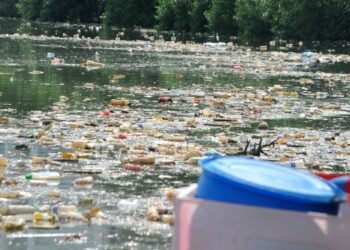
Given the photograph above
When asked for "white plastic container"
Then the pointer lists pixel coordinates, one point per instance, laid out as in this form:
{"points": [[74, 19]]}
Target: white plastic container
{"points": [[208, 225]]}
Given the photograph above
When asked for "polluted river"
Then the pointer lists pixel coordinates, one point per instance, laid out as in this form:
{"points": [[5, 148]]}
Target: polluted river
{"points": [[98, 135]]}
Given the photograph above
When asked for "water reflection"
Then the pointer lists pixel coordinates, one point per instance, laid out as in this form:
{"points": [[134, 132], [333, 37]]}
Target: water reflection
{"points": [[29, 82]]}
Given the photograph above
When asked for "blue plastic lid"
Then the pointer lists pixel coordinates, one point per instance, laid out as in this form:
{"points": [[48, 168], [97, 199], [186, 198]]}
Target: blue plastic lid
{"points": [[272, 179]]}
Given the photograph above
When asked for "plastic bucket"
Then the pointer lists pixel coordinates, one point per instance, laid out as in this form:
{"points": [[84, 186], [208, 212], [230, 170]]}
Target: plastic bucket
{"points": [[264, 184]]}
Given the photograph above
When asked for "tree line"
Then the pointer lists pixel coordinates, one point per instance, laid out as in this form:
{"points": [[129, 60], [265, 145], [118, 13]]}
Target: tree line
{"points": [[251, 20]]}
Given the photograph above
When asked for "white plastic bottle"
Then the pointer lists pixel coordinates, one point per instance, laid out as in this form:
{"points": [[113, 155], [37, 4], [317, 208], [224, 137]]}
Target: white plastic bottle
{"points": [[43, 176]]}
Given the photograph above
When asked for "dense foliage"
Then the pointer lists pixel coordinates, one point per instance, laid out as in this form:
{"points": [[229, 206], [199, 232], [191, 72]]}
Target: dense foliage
{"points": [[130, 13], [252, 20], [61, 10], [220, 17], [8, 8], [311, 19], [29, 9], [199, 21]]}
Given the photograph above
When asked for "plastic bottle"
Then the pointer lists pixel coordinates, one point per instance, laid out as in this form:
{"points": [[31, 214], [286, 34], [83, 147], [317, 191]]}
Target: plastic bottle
{"points": [[144, 160], [54, 194], [122, 136], [167, 219], [86, 201], [146, 126], [17, 209], [38, 160], [10, 194], [176, 138], [43, 176], [2, 170], [128, 206], [84, 181], [163, 99], [68, 213], [50, 55], [38, 217], [299, 164], [79, 144], [97, 146], [13, 223], [64, 209], [120, 102], [3, 161], [152, 214], [97, 213], [170, 194], [72, 216], [133, 167]]}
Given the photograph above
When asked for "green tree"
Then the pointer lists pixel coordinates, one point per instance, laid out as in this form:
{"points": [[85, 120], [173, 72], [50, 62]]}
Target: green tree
{"points": [[294, 19], [92, 11], [199, 22], [254, 20], [72, 10], [8, 8], [182, 15], [29, 9], [220, 17], [55, 10], [165, 14], [174, 15], [297, 19], [335, 21], [129, 13]]}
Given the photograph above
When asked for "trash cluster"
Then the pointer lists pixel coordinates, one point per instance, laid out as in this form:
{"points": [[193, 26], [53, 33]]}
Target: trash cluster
{"points": [[119, 160], [135, 140]]}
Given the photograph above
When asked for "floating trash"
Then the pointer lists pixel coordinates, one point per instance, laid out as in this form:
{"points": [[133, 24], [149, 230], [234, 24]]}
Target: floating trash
{"points": [[106, 145]]}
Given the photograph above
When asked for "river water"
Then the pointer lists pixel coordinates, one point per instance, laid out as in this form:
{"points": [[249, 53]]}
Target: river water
{"points": [[141, 72]]}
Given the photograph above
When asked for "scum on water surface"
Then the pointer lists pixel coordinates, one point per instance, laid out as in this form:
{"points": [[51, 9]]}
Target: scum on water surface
{"points": [[100, 106]]}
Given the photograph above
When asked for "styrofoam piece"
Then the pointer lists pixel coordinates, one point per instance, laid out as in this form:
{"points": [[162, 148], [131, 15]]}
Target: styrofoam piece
{"points": [[208, 225]]}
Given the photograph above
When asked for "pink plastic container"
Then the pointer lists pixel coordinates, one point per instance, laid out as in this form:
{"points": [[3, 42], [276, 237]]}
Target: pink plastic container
{"points": [[208, 225]]}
